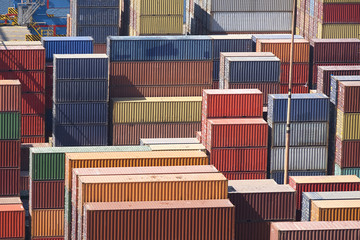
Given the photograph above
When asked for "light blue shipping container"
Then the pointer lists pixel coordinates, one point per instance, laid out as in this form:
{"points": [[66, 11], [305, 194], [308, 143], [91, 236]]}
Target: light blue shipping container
{"points": [[346, 171], [334, 85]]}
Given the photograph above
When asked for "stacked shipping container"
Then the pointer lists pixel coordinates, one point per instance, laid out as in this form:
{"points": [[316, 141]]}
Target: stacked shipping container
{"points": [[12, 218], [335, 210], [81, 99], [309, 131]]}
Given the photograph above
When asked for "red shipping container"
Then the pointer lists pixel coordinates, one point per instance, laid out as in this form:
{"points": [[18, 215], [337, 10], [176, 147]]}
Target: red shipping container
{"points": [[25, 152], [300, 73], [349, 96], [22, 58], [265, 88], [317, 65], [47, 194], [33, 139], [252, 230], [215, 85], [9, 153], [284, 88], [324, 75], [32, 125], [236, 132], [31, 81], [239, 159], [10, 96], [24, 181], [335, 50], [322, 184], [347, 153], [100, 48], [33, 103], [340, 13], [49, 75], [12, 219], [48, 238], [9, 181]]}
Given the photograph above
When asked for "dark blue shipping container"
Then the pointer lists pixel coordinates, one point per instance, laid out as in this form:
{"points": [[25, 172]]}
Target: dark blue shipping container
{"points": [[81, 91], [159, 48], [229, 43], [309, 107], [80, 113], [80, 135], [279, 176], [252, 69], [216, 70], [99, 33], [80, 66], [67, 45], [272, 36], [98, 16], [334, 85], [96, 3]]}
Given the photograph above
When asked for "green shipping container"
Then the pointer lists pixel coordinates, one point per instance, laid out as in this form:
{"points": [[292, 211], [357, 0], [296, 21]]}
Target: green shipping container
{"points": [[10, 125], [48, 164], [346, 171]]}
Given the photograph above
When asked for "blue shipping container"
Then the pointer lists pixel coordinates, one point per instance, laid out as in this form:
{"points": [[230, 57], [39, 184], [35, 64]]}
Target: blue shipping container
{"points": [[229, 43], [67, 45], [99, 33], [309, 107], [98, 16], [346, 171], [159, 48], [279, 176], [80, 113], [96, 3], [334, 85]]}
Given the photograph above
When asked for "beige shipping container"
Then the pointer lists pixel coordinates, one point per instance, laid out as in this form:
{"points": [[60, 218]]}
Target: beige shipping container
{"points": [[338, 30], [47, 223], [159, 7], [335, 210], [348, 125], [178, 147], [156, 109]]}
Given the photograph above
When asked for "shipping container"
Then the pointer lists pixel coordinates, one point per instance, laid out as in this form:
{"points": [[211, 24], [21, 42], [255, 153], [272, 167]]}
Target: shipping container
{"points": [[33, 139], [80, 113], [295, 88], [256, 37], [300, 73], [178, 147], [98, 33], [32, 125], [244, 175], [31, 81], [47, 223], [95, 17], [95, 3], [349, 96], [347, 153], [20, 43], [22, 58], [252, 230], [10, 125], [10, 200], [9, 153], [7, 176], [195, 219], [230, 43], [340, 13], [335, 210], [46, 195], [278, 176], [338, 31], [12, 217], [250, 6], [348, 126], [10, 96], [334, 86], [172, 141], [346, 171], [33, 103], [100, 48], [309, 197], [24, 183], [160, 25]]}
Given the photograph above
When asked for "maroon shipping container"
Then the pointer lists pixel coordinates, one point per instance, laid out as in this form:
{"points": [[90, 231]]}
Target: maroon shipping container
{"points": [[239, 159], [295, 88], [47, 194], [32, 125], [236, 132], [262, 202], [340, 13], [347, 153], [322, 184], [335, 50], [24, 181], [31, 81], [349, 96], [339, 230], [9, 153], [33, 139], [215, 85], [130, 134], [48, 98], [12, 219], [167, 73], [317, 65], [300, 73], [49, 75], [244, 175], [324, 75], [9, 181], [22, 58], [10, 96], [33, 103], [157, 91], [265, 88], [25, 153], [252, 230]]}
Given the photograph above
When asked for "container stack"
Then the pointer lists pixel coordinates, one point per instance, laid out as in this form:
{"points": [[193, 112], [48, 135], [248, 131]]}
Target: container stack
{"points": [[26, 62], [159, 66], [347, 128], [249, 16], [335, 210], [10, 133], [154, 117], [59, 45], [309, 131], [344, 52], [257, 204], [328, 19], [256, 37], [234, 132], [250, 70], [12, 215], [81, 99], [281, 49]]}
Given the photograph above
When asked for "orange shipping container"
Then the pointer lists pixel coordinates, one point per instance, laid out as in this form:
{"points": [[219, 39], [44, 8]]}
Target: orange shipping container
{"points": [[12, 220], [335, 210], [47, 223]]}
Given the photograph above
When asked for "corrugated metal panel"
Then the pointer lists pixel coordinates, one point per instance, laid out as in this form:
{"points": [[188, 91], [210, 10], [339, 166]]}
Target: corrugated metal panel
{"points": [[81, 135], [47, 195], [12, 219], [160, 25], [172, 141], [81, 91], [335, 210], [80, 113], [80, 66], [146, 110], [192, 221], [67, 45], [25, 154], [348, 126], [24, 183], [10, 125], [9, 153], [32, 125], [346, 171], [300, 73], [251, 6], [159, 48], [47, 223], [337, 31], [250, 22], [95, 16], [302, 134], [347, 153], [340, 13], [308, 197], [99, 33], [134, 132], [96, 3], [278, 176], [231, 43], [33, 103], [162, 7], [160, 73], [100, 48], [334, 86], [9, 175], [22, 58], [349, 96], [317, 65], [252, 230], [304, 108], [178, 147], [244, 175], [10, 200], [10, 96], [31, 81], [33, 139], [299, 88]]}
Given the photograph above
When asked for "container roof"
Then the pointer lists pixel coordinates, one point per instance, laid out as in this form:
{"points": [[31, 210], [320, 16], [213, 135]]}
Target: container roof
{"points": [[326, 179], [89, 149], [236, 121]]}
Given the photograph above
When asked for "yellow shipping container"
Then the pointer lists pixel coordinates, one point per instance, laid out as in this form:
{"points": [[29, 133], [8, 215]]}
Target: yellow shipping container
{"points": [[335, 210], [348, 125], [131, 159], [160, 25], [47, 223], [156, 110], [178, 147], [338, 30], [159, 7]]}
